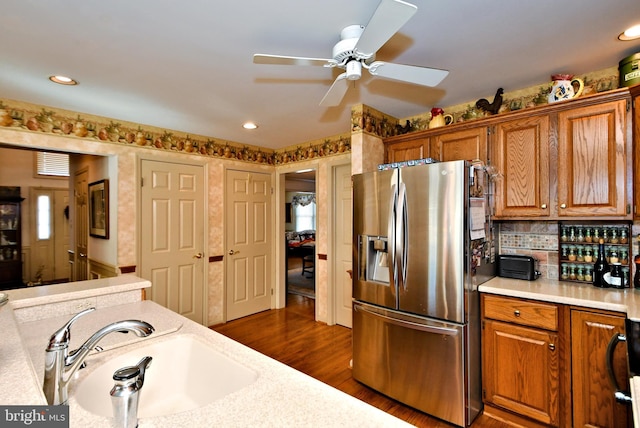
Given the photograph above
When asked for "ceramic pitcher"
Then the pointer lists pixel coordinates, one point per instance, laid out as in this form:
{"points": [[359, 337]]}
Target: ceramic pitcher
{"points": [[563, 87], [438, 118]]}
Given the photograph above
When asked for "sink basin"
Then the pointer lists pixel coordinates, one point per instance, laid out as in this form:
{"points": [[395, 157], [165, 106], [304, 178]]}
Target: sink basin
{"points": [[185, 374]]}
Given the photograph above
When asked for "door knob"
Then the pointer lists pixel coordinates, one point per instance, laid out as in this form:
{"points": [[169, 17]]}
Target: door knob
{"points": [[544, 206], [198, 256], [231, 252], [563, 205]]}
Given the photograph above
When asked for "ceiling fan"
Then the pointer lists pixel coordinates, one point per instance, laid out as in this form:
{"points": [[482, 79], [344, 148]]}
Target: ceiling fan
{"points": [[357, 49]]}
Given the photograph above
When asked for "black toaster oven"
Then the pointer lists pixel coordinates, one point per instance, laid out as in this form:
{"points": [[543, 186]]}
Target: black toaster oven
{"points": [[517, 266]]}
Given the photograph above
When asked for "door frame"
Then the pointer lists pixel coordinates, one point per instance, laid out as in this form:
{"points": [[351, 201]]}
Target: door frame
{"points": [[331, 241], [280, 300], [154, 157]]}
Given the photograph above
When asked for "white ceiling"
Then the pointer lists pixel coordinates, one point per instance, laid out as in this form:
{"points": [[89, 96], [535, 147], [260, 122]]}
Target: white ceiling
{"points": [[187, 65]]}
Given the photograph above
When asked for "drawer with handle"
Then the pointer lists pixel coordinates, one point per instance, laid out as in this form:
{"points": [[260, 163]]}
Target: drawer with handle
{"points": [[518, 311]]}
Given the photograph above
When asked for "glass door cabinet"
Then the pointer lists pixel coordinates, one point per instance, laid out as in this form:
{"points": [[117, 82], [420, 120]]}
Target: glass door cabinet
{"points": [[10, 238]]}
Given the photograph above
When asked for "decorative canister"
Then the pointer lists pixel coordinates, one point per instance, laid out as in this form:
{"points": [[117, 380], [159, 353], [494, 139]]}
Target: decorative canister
{"points": [[629, 70]]}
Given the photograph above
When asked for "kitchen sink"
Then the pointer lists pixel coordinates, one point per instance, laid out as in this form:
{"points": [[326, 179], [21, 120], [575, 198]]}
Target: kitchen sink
{"points": [[185, 374]]}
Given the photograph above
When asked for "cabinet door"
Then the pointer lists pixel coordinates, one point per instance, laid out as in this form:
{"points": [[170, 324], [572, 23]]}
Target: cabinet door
{"points": [[520, 152], [636, 153], [592, 160], [407, 150], [520, 370], [593, 400], [469, 144]]}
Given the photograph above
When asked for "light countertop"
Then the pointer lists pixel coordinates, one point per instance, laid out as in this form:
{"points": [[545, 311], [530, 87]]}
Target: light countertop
{"points": [[281, 396], [568, 293]]}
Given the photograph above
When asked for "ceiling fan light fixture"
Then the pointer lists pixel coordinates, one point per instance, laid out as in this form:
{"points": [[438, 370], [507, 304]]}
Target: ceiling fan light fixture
{"points": [[354, 70], [631, 33], [63, 80]]}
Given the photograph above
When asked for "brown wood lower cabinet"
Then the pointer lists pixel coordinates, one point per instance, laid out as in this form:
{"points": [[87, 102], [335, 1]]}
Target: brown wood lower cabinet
{"points": [[521, 358], [521, 371], [544, 364], [593, 402]]}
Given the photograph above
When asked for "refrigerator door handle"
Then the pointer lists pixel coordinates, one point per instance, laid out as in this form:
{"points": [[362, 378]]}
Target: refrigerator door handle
{"points": [[390, 240], [408, 324], [401, 236]]}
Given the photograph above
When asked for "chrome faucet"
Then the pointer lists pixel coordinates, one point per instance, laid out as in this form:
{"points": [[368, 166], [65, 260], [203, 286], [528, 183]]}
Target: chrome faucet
{"points": [[125, 393], [60, 364]]}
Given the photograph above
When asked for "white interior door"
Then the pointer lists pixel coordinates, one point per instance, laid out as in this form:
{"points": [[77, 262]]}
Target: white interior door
{"points": [[172, 239], [248, 259], [342, 243], [50, 239]]}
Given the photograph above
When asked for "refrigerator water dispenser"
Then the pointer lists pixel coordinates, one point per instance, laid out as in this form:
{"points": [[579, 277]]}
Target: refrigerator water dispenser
{"points": [[374, 259]]}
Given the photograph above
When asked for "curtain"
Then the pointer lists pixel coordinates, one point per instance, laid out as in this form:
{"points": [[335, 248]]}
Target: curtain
{"points": [[303, 199]]}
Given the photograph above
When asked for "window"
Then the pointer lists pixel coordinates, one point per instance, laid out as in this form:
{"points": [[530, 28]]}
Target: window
{"points": [[52, 164], [306, 217], [43, 217]]}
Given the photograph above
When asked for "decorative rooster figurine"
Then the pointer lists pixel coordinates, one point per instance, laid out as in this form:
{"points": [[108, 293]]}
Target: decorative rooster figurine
{"points": [[493, 107]]}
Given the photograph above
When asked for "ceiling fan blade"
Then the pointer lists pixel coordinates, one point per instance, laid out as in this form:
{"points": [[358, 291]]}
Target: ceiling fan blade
{"points": [[336, 92], [291, 60], [388, 18], [408, 73]]}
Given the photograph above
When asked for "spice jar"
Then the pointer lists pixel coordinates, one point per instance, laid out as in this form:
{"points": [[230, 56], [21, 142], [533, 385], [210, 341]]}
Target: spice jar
{"points": [[587, 235], [587, 255], [624, 238], [614, 236], [588, 276]]}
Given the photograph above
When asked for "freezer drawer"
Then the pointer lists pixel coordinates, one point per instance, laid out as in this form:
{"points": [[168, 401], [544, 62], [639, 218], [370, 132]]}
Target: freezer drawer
{"points": [[417, 361]]}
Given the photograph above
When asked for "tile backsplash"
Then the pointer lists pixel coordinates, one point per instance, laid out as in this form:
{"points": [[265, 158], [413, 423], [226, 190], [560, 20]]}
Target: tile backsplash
{"points": [[539, 239]]}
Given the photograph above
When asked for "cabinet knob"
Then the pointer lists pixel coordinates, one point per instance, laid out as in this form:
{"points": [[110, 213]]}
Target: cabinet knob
{"points": [[563, 206], [552, 346], [516, 313], [544, 206]]}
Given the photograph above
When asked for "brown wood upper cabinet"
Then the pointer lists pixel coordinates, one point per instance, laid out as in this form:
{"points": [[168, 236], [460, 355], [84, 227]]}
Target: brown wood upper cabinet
{"points": [[592, 161], [520, 152], [571, 159], [407, 150], [468, 143], [569, 162], [635, 95]]}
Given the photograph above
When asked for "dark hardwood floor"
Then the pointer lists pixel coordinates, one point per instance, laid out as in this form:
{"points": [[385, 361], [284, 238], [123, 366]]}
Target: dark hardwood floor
{"points": [[292, 337]]}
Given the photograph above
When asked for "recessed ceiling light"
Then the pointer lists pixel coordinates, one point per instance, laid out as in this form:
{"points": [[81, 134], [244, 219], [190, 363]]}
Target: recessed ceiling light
{"points": [[249, 125], [630, 33], [63, 80]]}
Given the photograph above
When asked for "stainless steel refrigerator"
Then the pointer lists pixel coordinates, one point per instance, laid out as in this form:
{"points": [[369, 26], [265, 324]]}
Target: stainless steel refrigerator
{"points": [[422, 245]]}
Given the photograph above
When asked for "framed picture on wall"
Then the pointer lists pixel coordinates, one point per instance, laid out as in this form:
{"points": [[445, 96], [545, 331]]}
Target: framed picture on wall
{"points": [[99, 209]]}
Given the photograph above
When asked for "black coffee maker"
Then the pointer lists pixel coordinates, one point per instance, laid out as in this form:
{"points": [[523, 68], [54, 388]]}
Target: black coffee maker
{"points": [[632, 337]]}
